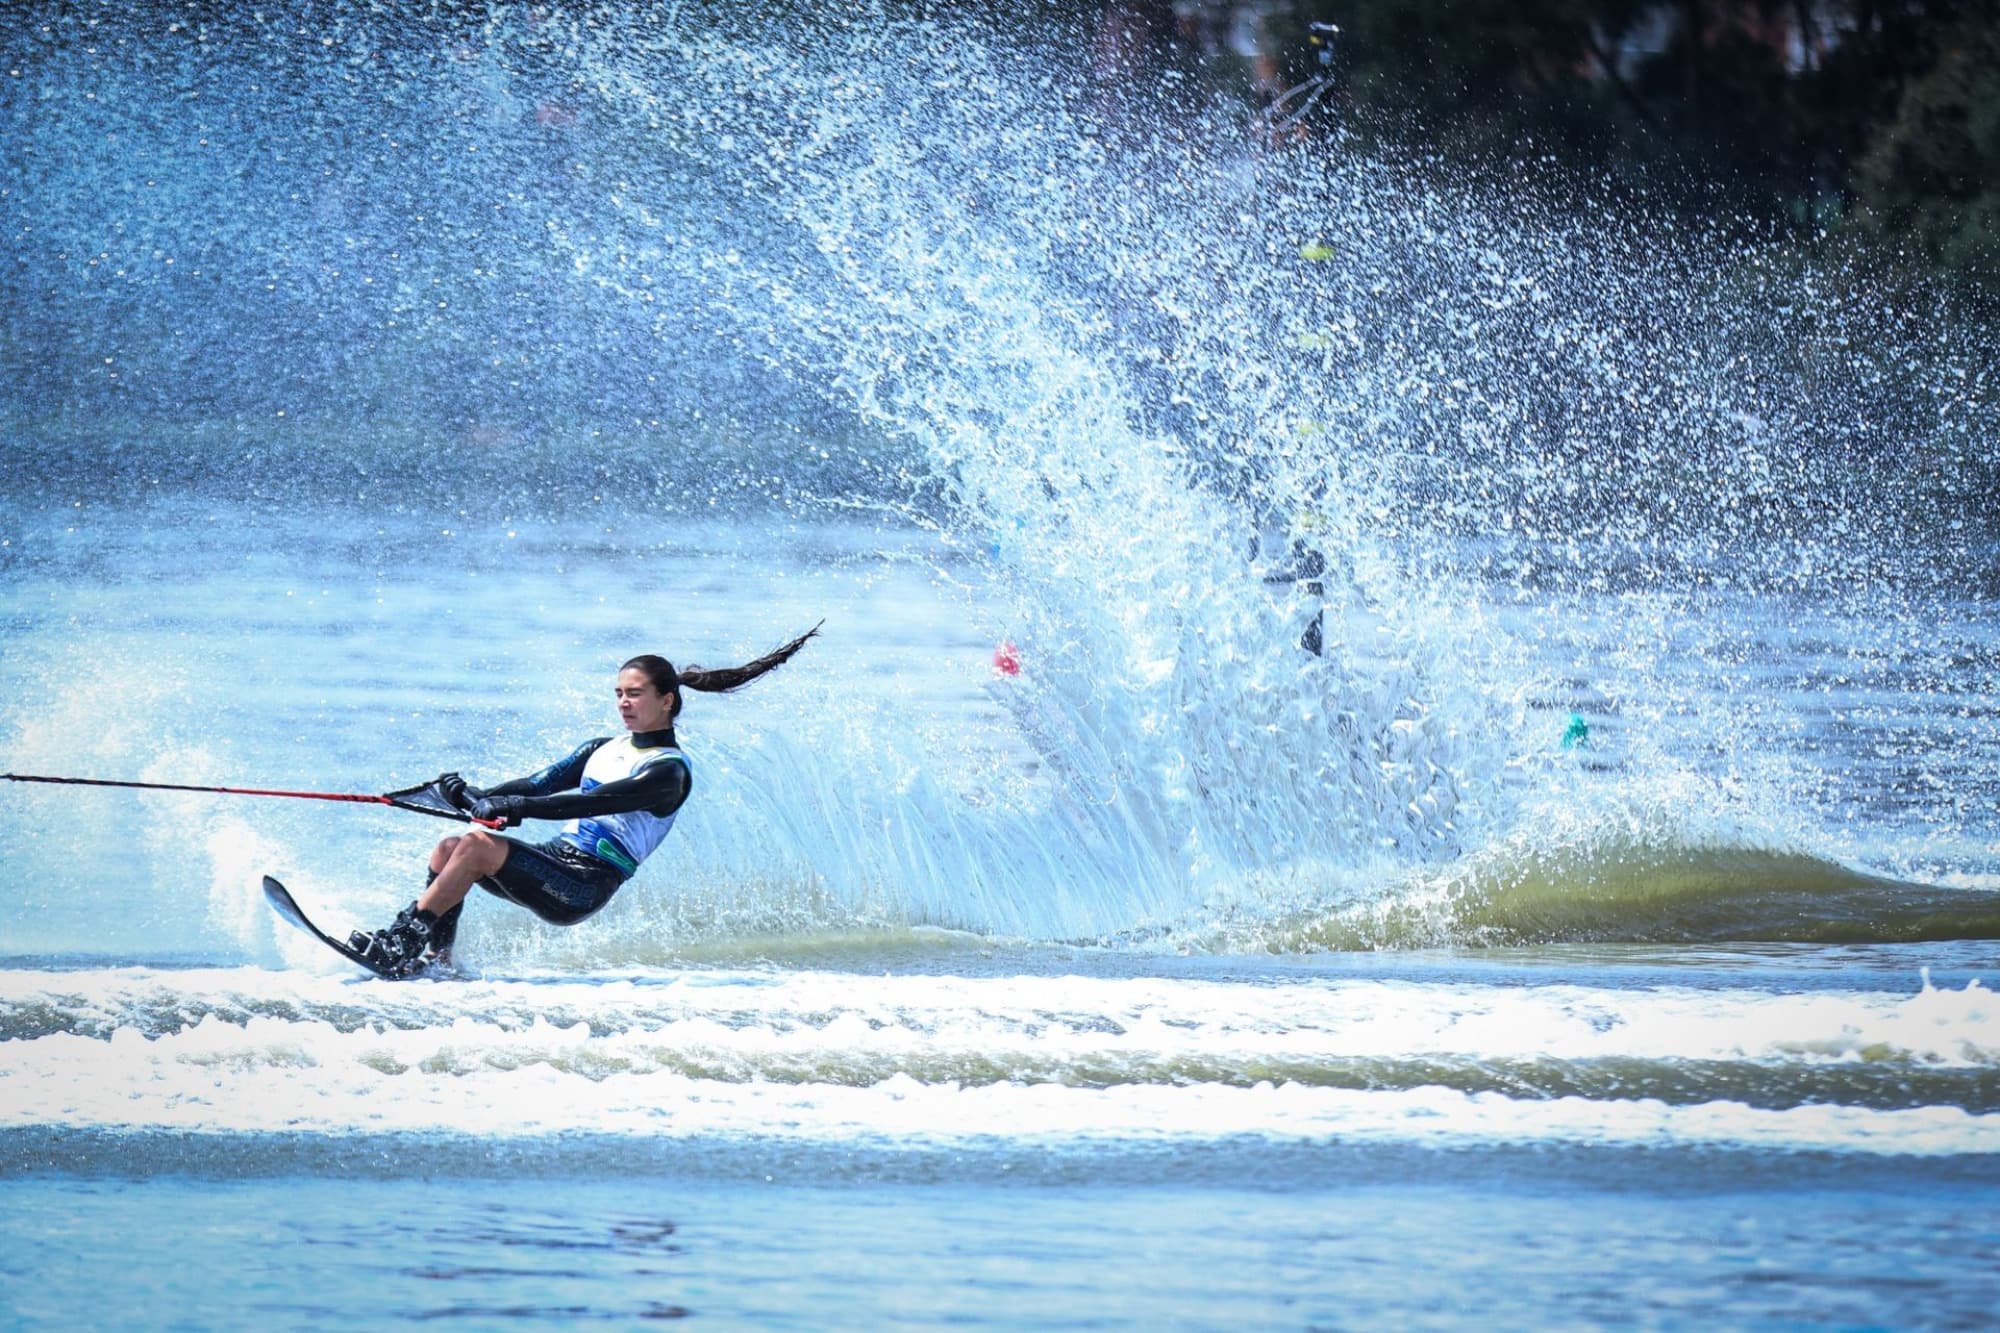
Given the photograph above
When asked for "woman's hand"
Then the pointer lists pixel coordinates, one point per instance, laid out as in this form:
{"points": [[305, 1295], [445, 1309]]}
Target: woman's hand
{"points": [[505, 808], [455, 789]]}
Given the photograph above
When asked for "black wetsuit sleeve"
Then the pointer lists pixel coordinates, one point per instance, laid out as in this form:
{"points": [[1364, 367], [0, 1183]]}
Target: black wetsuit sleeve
{"points": [[659, 788], [563, 775]]}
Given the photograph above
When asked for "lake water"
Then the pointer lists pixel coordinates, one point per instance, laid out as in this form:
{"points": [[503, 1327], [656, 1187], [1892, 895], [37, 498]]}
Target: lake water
{"points": [[775, 1094], [1598, 929]]}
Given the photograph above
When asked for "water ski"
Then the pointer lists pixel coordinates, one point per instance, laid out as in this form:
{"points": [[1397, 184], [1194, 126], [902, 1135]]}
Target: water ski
{"points": [[281, 902]]}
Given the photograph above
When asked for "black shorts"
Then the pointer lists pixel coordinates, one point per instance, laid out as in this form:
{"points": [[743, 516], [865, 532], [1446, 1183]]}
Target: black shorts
{"points": [[556, 880]]}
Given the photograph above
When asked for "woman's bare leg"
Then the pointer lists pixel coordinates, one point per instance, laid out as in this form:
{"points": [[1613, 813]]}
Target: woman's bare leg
{"points": [[457, 864]]}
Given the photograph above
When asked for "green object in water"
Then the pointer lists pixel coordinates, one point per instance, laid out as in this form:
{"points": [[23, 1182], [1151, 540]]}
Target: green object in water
{"points": [[1577, 733]]}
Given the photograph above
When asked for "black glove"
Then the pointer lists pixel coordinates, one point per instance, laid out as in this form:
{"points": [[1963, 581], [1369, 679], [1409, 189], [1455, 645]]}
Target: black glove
{"points": [[454, 789], [507, 808]]}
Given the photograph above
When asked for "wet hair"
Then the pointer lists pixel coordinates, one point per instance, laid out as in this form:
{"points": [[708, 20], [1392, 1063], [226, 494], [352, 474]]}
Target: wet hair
{"points": [[711, 680]]}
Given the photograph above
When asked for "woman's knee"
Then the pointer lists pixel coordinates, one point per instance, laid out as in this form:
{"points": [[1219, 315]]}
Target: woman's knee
{"points": [[484, 850]]}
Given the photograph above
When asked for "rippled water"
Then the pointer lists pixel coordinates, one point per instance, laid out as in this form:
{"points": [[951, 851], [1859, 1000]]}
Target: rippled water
{"points": [[784, 1254]]}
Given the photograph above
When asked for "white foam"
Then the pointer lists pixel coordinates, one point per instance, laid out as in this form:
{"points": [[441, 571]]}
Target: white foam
{"points": [[832, 1057]]}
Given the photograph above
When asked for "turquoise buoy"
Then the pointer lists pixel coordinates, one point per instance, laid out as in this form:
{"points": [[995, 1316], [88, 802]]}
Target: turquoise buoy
{"points": [[1577, 733]]}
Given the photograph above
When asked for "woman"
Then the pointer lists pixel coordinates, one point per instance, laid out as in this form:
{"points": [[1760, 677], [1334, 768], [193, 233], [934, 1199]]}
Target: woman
{"points": [[620, 797]]}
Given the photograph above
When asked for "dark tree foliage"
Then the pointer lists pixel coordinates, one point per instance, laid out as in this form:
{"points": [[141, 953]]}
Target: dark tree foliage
{"points": [[1869, 123], [1928, 176]]}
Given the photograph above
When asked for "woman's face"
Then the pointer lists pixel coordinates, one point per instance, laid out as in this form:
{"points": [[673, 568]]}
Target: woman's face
{"points": [[640, 706]]}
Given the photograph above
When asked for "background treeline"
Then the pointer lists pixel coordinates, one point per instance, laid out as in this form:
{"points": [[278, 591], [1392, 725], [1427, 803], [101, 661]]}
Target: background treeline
{"points": [[1865, 126]]}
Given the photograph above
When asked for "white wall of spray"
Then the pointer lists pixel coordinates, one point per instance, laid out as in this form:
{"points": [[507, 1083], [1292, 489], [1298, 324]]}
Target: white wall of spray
{"points": [[984, 271], [1124, 335]]}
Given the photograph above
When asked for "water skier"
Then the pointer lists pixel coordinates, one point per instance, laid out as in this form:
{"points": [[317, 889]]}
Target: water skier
{"points": [[620, 797]]}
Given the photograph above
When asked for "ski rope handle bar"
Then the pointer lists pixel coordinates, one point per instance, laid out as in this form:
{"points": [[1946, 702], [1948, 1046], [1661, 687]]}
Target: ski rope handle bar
{"points": [[351, 797]]}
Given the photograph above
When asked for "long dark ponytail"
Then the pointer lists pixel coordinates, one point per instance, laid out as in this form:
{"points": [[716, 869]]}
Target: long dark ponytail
{"points": [[712, 680]]}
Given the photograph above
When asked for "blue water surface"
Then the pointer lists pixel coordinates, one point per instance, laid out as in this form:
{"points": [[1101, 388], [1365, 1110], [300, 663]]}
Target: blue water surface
{"points": [[1517, 1244]]}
